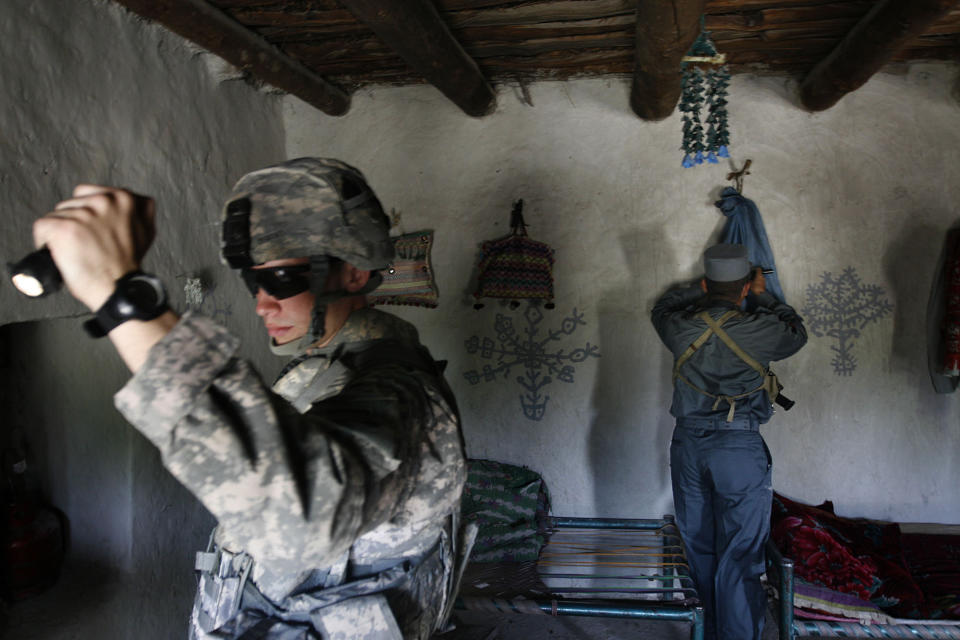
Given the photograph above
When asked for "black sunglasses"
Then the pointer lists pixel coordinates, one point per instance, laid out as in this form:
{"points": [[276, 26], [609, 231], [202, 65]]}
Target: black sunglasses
{"points": [[279, 282]]}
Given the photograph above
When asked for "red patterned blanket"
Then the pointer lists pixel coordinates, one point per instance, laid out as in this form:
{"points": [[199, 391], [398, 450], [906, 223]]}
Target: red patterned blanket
{"points": [[883, 569]]}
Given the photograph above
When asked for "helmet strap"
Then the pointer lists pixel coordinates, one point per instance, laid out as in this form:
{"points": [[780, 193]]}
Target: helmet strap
{"points": [[319, 272]]}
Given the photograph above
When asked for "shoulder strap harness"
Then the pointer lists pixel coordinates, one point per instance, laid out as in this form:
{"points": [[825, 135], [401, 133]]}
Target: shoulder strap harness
{"points": [[769, 384]]}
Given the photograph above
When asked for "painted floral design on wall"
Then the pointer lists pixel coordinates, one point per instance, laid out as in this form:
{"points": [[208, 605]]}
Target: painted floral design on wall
{"points": [[525, 348], [840, 307], [200, 298]]}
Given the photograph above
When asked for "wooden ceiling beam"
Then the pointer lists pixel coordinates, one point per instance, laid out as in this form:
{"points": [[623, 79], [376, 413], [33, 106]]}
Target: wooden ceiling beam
{"points": [[875, 40], [415, 31], [665, 31], [214, 30]]}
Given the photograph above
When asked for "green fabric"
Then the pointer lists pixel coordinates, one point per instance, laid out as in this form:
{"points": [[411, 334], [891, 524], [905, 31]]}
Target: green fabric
{"points": [[507, 503]]}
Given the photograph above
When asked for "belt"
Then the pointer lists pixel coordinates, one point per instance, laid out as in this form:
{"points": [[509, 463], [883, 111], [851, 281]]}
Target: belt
{"points": [[225, 591], [719, 423]]}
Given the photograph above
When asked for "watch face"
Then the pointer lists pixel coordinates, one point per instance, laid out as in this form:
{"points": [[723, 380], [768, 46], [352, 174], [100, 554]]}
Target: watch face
{"points": [[140, 297]]}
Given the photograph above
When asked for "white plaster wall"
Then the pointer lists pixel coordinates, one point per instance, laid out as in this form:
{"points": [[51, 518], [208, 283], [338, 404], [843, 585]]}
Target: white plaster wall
{"points": [[871, 183], [92, 94]]}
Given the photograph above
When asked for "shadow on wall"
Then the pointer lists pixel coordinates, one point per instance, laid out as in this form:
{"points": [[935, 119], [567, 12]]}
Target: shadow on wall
{"points": [[169, 526], [88, 601], [629, 440], [910, 265], [133, 529]]}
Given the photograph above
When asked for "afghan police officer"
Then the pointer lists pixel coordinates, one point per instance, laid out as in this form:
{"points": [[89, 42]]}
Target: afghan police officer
{"points": [[720, 465], [336, 492]]}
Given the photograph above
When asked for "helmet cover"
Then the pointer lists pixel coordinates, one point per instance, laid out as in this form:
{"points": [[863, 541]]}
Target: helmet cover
{"points": [[306, 207]]}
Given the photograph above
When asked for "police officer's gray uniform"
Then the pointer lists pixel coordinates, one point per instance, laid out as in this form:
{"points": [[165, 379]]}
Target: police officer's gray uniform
{"points": [[720, 465], [336, 492]]}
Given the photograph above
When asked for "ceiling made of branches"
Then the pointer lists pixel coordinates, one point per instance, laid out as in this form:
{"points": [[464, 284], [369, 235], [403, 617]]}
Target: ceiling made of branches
{"points": [[462, 45]]}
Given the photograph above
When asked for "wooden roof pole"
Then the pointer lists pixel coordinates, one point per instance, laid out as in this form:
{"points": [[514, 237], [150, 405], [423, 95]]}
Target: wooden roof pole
{"points": [[873, 41], [414, 29], [214, 30], [666, 30]]}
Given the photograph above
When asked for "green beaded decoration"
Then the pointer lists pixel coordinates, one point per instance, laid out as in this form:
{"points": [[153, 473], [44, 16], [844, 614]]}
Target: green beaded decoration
{"points": [[701, 90]]}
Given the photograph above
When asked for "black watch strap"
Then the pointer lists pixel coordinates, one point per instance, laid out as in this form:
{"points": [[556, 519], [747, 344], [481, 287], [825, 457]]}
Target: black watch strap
{"points": [[96, 328], [137, 296]]}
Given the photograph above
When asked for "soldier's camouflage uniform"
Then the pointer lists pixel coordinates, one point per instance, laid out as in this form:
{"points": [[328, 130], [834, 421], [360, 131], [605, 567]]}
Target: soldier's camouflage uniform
{"points": [[334, 492]]}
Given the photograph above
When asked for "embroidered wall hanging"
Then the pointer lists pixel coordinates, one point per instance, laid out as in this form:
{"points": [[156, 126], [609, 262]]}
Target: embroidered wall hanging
{"points": [[943, 317], [409, 279], [839, 307], [704, 90], [526, 349], [515, 267]]}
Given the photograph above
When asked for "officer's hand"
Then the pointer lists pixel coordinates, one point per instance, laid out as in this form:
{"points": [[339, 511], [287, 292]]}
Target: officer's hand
{"points": [[95, 237], [759, 282]]}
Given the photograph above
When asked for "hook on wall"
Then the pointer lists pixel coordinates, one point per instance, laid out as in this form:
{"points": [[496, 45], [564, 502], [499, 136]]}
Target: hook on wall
{"points": [[737, 176]]}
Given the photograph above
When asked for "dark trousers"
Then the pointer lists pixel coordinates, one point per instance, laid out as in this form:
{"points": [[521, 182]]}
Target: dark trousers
{"points": [[722, 493]]}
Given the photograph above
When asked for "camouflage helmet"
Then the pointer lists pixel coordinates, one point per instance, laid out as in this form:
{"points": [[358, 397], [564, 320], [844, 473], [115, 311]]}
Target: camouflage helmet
{"points": [[305, 207]]}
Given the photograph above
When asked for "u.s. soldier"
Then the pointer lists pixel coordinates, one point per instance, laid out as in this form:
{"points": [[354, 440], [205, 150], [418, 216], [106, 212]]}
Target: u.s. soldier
{"points": [[337, 491]]}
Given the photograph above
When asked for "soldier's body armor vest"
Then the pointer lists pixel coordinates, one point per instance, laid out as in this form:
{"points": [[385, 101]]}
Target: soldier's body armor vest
{"points": [[229, 604]]}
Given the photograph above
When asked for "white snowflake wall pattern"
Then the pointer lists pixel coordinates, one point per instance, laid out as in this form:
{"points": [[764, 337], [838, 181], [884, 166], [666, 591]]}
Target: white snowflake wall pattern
{"points": [[200, 298], [840, 307], [526, 350]]}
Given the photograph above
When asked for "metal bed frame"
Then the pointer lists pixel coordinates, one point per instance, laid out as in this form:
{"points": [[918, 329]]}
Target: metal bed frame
{"points": [[612, 568], [781, 569]]}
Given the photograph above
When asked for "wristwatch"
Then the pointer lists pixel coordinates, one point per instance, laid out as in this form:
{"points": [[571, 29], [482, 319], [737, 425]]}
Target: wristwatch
{"points": [[138, 296]]}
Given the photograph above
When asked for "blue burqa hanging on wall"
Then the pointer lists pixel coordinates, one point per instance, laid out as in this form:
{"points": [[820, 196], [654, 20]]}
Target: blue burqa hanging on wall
{"points": [[745, 226]]}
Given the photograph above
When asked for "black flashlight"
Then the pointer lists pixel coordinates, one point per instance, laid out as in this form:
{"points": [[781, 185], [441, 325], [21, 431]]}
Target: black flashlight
{"points": [[36, 275]]}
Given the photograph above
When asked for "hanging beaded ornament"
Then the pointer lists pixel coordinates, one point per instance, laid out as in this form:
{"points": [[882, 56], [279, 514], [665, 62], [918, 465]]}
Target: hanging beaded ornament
{"points": [[515, 267], [704, 90]]}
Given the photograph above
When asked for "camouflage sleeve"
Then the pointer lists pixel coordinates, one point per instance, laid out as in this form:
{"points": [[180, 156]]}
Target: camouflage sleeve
{"points": [[291, 489], [398, 424]]}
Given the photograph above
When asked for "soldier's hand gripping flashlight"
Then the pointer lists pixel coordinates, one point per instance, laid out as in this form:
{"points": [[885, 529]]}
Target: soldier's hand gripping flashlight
{"points": [[36, 275], [97, 234]]}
